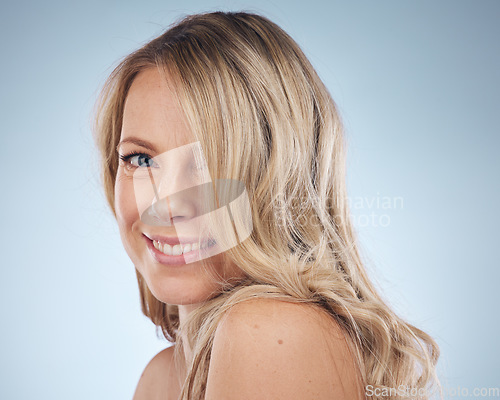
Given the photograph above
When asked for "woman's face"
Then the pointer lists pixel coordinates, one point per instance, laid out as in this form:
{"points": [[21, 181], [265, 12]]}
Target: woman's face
{"points": [[155, 129]]}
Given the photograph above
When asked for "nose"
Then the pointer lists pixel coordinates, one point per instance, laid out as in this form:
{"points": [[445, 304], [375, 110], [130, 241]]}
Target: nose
{"points": [[174, 200]]}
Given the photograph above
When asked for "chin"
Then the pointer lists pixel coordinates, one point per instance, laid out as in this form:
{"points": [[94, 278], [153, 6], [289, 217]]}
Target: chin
{"points": [[180, 290]]}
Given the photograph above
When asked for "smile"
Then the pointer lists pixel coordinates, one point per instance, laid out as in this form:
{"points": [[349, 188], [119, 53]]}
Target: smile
{"points": [[179, 249]]}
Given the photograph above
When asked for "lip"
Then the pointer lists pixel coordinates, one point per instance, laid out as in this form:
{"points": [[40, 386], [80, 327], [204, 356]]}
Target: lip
{"points": [[173, 240], [182, 259]]}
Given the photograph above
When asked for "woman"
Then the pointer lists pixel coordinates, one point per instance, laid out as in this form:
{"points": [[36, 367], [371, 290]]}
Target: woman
{"points": [[287, 310]]}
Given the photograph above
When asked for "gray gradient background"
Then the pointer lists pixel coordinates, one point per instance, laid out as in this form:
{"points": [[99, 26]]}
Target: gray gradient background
{"points": [[417, 84]]}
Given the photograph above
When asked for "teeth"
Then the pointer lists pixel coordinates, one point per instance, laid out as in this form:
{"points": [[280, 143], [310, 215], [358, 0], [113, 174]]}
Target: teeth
{"points": [[166, 248], [178, 249]]}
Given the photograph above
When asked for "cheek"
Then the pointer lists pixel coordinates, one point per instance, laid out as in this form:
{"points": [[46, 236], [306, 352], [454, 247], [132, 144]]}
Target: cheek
{"points": [[125, 205]]}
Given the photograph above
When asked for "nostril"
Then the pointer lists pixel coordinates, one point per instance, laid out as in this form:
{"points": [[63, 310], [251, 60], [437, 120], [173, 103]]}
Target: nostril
{"points": [[157, 214]]}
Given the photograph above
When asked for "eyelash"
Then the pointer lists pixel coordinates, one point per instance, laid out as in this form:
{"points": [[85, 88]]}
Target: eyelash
{"points": [[126, 157]]}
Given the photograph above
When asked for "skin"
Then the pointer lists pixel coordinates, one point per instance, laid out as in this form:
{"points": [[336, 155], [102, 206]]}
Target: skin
{"points": [[263, 348], [271, 349], [153, 116]]}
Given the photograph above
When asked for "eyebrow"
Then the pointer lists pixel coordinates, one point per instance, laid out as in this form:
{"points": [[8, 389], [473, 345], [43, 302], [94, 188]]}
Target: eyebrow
{"points": [[138, 142]]}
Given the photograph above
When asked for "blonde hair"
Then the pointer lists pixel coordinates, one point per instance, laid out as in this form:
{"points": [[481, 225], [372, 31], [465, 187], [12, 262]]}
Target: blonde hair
{"points": [[264, 117]]}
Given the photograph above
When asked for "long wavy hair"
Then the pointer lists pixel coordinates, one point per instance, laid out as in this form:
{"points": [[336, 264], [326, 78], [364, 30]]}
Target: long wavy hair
{"points": [[264, 117]]}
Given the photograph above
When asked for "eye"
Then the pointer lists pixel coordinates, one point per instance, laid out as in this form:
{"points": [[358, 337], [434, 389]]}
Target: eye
{"points": [[138, 160]]}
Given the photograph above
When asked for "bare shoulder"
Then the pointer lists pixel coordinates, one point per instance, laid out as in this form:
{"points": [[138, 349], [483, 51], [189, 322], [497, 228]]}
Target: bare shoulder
{"points": [[158, 378], [266, 348]]}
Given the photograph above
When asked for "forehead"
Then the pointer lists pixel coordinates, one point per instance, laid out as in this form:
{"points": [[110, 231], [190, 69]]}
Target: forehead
{"points": [[152, 112]]}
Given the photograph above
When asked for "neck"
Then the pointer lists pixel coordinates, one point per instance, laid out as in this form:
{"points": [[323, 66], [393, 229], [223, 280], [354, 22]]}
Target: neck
{"points": [[184, 311]]}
